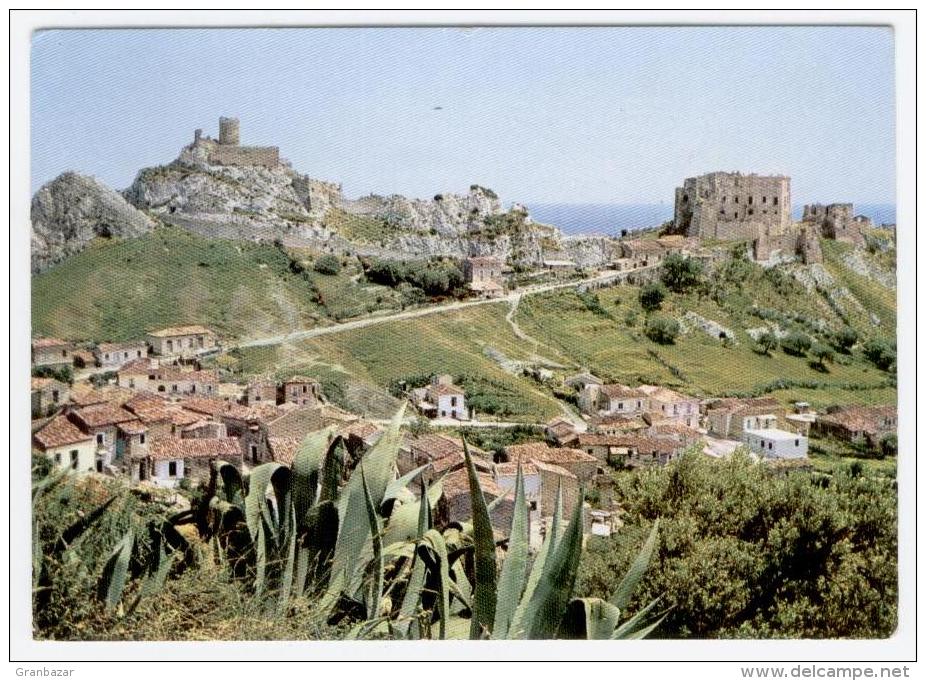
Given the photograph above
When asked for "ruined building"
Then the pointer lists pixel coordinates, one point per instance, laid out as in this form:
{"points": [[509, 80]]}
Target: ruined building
{"points": [[835, 221], [227, 150]]}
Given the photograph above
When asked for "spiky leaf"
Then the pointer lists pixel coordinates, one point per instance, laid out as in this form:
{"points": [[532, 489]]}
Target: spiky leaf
{"points": [[621, 596], [116, 571], [514, 568], [484, 561]]}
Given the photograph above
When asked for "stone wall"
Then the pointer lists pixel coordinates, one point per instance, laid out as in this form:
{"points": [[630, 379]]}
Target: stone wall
{"points": [[835, 221], [227, 155]]}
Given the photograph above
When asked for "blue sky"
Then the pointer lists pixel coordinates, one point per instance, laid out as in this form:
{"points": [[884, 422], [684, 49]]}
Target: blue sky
{"points": [[599, 115]]}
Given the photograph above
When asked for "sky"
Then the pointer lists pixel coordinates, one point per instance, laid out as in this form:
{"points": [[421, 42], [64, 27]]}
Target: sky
{"points": [[543, 115]]}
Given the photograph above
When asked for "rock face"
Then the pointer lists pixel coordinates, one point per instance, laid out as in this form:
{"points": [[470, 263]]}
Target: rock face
{"points": [[71, 210]]}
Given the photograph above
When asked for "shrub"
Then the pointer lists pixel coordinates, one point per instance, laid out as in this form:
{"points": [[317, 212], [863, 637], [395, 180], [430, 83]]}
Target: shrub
{"points": [[767, 342], [662, 330], [881, 353], [821, 354], [60, 373], [796, 343], [328, 264], [651, 296], [679, 273], [845, 339]]}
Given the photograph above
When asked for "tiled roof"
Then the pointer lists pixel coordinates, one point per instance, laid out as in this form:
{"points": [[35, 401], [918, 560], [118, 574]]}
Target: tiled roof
{"points": [[564, 455], [215, 407], [283, 449], [616, 391], [617, 421], [658, 392], [115, 347], [135, 427], [444, 389], [526, 450], [862, 419], [139, 366], [48, 342], [59, 431], [171, 331], [434, 445], [42, 383], [553, 468], [457, 483], [511, 468], [83, 394], [99, 415], [194, 448]]}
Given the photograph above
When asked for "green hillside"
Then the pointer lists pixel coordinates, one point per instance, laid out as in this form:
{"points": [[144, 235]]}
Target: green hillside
{"points": [[117, 289]]}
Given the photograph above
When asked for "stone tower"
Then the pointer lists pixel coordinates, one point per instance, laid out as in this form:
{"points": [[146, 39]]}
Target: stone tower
{"points": [[229, 133]]}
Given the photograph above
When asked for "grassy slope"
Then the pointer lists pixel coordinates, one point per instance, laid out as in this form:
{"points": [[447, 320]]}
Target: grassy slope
{"points": [[118, 289]]}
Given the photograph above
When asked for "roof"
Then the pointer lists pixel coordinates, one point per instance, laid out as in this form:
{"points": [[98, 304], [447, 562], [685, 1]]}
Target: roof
{"points": [[544, 452], [616, 391], [126, 345], [643, 245], [100, 415], [735, 405], [212, 406], [457, 483], [511, 468], [194, 448], [300, 379], [139, 366], [433, 445], [49, 342], [662, 394], [485, 260], [59, 431], [135, 427], [543, 467], [584, 377], [618, 421], [42, 383], [444, 389], [360, 429], [859, 418], [773, 433], [283, 449], [171, 373], [84, 394], [192, 330]]}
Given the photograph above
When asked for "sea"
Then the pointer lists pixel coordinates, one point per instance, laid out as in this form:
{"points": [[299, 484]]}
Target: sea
{"points": [[612, 218]]}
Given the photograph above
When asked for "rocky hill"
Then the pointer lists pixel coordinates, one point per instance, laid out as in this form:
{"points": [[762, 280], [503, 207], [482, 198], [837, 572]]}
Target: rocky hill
{"points": [[71, 210]]}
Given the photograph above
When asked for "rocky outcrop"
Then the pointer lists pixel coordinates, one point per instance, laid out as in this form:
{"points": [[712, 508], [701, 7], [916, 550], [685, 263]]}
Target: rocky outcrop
{"points": [[72, 210]]}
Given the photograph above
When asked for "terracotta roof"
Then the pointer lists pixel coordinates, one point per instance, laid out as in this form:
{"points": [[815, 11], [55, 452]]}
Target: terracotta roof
{"points": [[446, 463], [444, 389], [511, 468], [99, 415], [562, 429], [84, 394], [616, 391], [361, 429], [617, 421], [858, 418], [643, 246], [553, 468], [49, 342], [115, 347], [283, 449], [658, 392], [526, 450], [673, 428], [59, 431], [42, 383], [735, 405], [563, 455], [602, 440], [213, 406], [135, 427], [457, 483], [194, 448], [139, 366], [433, 445], [192, 330]]}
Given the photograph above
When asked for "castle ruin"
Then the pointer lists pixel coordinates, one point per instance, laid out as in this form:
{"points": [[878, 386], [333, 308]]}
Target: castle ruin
{"points": [[835, 221], [227, 150]]}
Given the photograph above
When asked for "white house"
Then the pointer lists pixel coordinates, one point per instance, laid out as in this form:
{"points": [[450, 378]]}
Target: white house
{"points": [[115, 355], [774, 443], [66, 445]]}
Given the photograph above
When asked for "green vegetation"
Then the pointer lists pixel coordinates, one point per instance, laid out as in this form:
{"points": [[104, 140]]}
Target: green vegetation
{"points": [[362, 228], [118, 289], [662, 330], [434, 278], [680, 273], [65, 374], [328, 264], [767, 341], [796, 343], [746, 553], [348, 552], [651, 296]]}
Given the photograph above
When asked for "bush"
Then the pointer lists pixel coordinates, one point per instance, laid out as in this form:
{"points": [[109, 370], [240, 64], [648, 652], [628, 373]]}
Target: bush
{"points": [[796, 343], [662, 330], [845, 339], [767, 342], [651, 296], [821, 354], [60, 373], [680, 274], [328, 264], [881, 353]]}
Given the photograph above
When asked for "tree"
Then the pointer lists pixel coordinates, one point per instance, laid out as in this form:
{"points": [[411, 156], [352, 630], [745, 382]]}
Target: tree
{"points": [[680, 273], [328, 264], [662, 330], [881, 353], [767, 342], [821, 354], [845, 339], [796, 343], [651, 296]]}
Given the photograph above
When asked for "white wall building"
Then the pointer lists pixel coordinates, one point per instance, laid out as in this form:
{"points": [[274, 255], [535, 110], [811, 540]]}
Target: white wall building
{"points": [[773, 443]]}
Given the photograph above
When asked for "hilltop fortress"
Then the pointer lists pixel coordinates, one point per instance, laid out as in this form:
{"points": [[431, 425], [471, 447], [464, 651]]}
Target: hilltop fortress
{"points": [[756, 209], [227, 150]]}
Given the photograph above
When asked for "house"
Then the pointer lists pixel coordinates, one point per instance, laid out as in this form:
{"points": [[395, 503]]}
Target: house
{"points": [[288, 420], [230, 391], [612, 399], [359, 436], [483, 274], [162, 418], [560, 268], [443, 452], [137, 373], [441, 399], [630, 449], [112, 356], [730, 418], [172, 459], [48, 395], [506, 476], [555, 480], [102, 422], [175, 380], [579, 382], [135, 438], [182, 341], [560, 430], [857, 424], [610, 424], [642, 252], [85, 394], [581, 464], [301, 390], [51, 352], [283, 449], [774, 443], [455, 505], [668, 404], [65, 444], [261, 391]]}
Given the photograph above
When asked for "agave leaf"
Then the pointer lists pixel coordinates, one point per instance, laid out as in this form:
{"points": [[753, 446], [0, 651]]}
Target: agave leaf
{"points": [[590, 618], [232, 485], [302, 570], [516, 630], [347, 566], [255, 503], [332, 470], [621, 596], [306, 468], [412, 596], [116, 571], [640, 622], [548, 603], [434, 553], [75, 530], [321, 536], [378, 568], [260, 544], [458, 628], [514, 568], [399, 485], [484, 561], [404, 524], [462, 590], [286, 584]]}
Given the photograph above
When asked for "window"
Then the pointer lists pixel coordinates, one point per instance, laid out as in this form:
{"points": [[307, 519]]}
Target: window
{"points": [[161, 388], [774, 200], [138, 353], [131, 382], [797, 443], [736, 199], [762, 444], [723, 200], [533, 505], [764, 199], [141, 439], [193, 388], [253, 452], [750, 200], [453, 401], [173, 388], [172, 469], [58, 457], [54, 395], [99, 438], [106, 356], [64, 353], [74, 459], [99, 465], [620, 405], [750, 211], [736, 216], [305, 388]]}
